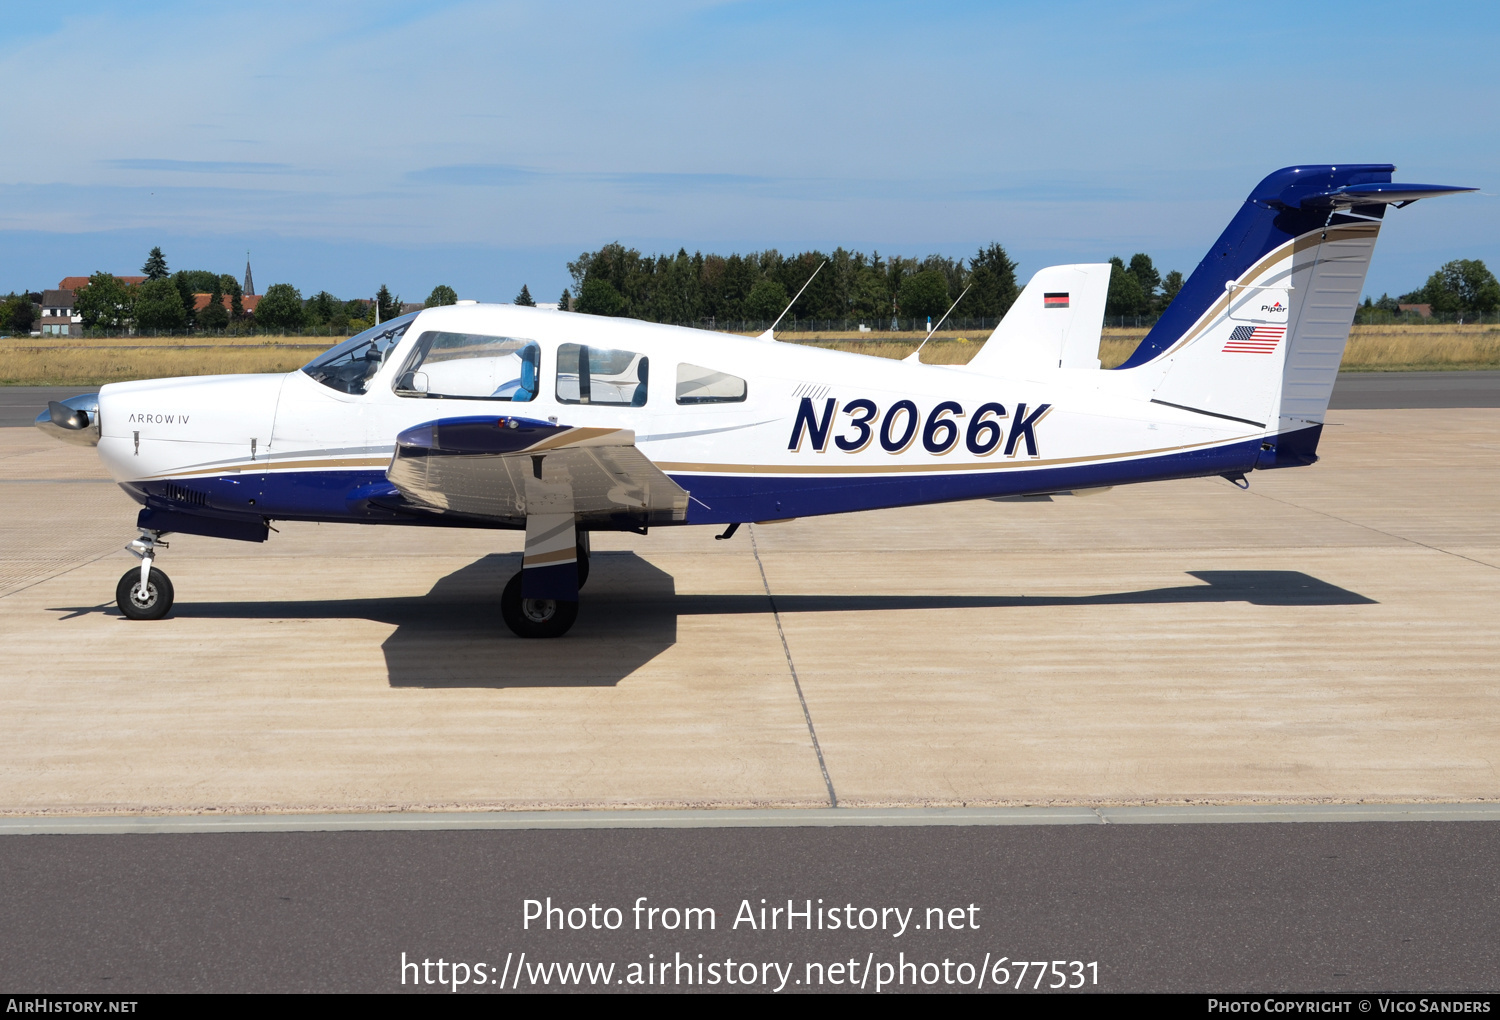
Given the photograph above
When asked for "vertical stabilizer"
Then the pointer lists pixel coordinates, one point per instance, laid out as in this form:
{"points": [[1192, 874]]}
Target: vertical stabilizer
{"points": [[1257, 333]]}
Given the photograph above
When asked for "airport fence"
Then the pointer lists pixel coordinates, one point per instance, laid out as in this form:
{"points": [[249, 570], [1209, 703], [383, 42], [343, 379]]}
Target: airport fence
{"points": [[790, 324], [875, 327]]}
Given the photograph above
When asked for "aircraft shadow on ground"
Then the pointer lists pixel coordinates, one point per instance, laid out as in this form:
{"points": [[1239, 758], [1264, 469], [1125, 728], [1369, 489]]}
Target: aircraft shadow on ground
{"points": [[453, 636]]}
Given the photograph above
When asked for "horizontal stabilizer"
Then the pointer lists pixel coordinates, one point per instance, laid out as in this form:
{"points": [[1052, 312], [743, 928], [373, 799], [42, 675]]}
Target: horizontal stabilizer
{"points": [[1055, 323], [1378, 194]]}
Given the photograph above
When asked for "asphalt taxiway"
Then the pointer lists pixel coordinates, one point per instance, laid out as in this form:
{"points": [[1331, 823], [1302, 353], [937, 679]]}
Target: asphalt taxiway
{"points": [[1325, 638], [1205, 908]]}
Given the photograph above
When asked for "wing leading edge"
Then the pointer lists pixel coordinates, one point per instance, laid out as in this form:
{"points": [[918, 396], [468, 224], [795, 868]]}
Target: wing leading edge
{"points": [[514, 468]]}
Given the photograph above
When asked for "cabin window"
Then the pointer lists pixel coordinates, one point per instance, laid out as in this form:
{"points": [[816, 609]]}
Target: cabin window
{"points": [[349, 367], [596, 375], [699, 385], [468, 366]]}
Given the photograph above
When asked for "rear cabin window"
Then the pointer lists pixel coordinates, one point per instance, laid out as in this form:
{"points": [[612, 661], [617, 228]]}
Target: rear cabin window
{"points": [[597, 375], [469, 366], [699, 385]]}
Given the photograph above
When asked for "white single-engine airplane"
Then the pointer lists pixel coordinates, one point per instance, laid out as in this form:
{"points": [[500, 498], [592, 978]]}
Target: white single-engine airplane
{"points": [[558, 424]]}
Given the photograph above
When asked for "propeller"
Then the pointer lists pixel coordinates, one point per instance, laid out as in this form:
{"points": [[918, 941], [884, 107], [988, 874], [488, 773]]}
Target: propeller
{"points": [[66, 417]]}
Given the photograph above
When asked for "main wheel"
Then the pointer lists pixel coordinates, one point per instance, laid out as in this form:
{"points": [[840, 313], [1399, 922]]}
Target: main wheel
{"points": [[583, 559], [151, 604], [535, 618]]}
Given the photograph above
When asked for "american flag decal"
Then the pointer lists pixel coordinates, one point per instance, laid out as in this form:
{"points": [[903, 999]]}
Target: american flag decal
{"points": [[1254, 339]]}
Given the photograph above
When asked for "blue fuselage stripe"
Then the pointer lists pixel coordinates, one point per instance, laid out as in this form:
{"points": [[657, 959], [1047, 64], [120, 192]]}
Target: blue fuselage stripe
{"points": [[333, 495]]}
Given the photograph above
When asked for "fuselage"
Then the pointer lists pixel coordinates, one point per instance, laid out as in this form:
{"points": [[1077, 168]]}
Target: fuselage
{"points": [[753, 429]]}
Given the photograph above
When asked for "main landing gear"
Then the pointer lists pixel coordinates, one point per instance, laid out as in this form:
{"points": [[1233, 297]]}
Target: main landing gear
{"points": [[535, 618], [145, 593], [543, 618]]}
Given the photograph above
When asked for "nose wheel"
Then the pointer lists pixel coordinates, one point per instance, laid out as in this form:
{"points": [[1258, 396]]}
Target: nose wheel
{"points": [[149, 601], [145, 592]]}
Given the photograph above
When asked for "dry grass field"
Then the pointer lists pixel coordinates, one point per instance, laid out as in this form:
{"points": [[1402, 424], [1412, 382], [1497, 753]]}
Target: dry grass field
{"points": [[1371, 348], [32, 362]]}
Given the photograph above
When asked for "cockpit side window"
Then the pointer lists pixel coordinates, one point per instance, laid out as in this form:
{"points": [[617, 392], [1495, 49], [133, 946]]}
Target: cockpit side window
{"points": [[469, 366], [349, 367], [597, 375], [699, 385]]}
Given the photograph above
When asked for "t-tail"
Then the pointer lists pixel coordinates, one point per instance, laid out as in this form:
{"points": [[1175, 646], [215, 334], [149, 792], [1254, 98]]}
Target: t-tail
{"points": [[1257, 332]]}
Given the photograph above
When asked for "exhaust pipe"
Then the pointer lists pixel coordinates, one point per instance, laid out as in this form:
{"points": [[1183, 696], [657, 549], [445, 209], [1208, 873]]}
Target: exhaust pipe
{"points": [[75, 420]]}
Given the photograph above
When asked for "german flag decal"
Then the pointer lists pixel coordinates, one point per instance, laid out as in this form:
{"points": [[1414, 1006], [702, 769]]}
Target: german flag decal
{"points": [[1055, 300]]}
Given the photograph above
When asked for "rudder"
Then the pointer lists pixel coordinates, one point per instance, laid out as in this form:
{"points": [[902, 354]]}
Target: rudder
{"points": [[1258, 331]]}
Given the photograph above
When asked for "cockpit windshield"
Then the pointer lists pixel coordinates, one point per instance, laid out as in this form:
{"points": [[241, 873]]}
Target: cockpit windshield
{"points": [[350, 366]]}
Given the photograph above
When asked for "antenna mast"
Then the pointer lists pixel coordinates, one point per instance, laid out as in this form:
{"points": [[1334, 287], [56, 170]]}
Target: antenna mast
{"points": [[913, 355], [770, 334]]}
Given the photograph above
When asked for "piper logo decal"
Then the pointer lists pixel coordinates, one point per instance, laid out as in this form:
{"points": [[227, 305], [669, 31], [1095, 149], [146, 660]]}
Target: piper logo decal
{"points": [[902, 425], [1275, 309]]}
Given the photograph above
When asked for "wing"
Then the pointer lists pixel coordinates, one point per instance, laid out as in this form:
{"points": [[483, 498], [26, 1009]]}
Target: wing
{"points": [[512, 468]]}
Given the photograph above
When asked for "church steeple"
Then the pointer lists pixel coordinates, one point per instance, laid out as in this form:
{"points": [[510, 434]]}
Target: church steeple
{"points": [[249, 280]]}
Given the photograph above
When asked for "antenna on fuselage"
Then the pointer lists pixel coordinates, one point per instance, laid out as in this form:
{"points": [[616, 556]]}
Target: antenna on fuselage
{"points": [[770, 334], [913, 355]]}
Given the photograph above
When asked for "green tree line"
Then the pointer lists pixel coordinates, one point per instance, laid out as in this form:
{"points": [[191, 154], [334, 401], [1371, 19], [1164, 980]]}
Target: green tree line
{"points": [[696, 288], [683, 288]]}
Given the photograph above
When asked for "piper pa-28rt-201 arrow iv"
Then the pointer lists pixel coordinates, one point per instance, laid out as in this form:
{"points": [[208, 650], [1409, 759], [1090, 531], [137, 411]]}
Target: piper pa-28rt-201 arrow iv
{"points": [[559, 424]]}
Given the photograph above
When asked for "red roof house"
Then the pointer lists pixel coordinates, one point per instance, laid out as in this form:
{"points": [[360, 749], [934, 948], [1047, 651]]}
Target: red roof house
{"points": [[77, 283], [248, 302]]}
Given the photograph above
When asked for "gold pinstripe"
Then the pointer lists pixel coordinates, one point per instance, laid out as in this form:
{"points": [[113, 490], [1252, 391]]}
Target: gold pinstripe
{"points": [[1343, 232], [744, 469], [239, 467], [569, 438], [878, 469]]}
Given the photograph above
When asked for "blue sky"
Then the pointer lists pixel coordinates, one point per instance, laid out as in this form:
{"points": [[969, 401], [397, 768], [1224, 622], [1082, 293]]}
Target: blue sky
{"points": [[484, 144]]}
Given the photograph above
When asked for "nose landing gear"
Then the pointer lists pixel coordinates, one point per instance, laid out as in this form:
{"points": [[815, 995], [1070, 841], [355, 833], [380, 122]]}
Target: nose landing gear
{"points": [[145, 593]]}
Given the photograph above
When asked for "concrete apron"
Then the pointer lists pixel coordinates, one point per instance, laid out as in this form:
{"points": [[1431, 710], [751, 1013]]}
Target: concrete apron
{"points": [[1325, 639]]}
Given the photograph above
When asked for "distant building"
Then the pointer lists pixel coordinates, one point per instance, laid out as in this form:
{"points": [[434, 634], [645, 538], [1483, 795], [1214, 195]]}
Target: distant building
{"points": [[77, 283], [59, 317], [1424, 310], [59, 307], [249, 287], [248, 302]]}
